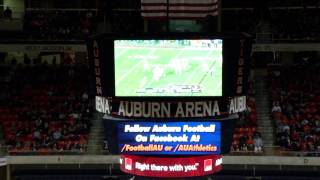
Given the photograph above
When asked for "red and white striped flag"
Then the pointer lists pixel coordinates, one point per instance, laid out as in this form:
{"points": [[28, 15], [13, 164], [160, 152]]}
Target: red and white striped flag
{"points": [[179, 9]]}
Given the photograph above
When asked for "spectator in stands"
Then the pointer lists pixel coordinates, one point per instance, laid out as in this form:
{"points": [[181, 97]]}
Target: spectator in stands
{"points": [[242, 120], [36, 135], [276, 107], [105, 145], [242, 142], [46, 141], [57, 134], [288, 109], [49, 111], [85, 97], [258, 144], [38, 123], [7, 13]]}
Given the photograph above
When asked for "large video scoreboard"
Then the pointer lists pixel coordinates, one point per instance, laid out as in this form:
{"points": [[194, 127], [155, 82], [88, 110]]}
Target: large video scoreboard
{"points": [[170, 101], [185, 66]]}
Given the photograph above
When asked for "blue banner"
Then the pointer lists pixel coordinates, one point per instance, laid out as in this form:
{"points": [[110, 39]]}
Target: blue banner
{"points": [[175, 138]]}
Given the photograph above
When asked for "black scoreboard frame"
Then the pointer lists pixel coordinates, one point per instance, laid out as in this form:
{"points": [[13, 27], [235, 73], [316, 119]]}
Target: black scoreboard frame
{"points": [[236, 62]]}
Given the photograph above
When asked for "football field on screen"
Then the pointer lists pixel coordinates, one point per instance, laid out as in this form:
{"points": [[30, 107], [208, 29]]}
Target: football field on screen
{"points": [[168, 71]]}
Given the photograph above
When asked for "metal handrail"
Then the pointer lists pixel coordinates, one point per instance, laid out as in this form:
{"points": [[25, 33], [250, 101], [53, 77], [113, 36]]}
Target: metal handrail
{"points": [[298, 153], [7, 150]]}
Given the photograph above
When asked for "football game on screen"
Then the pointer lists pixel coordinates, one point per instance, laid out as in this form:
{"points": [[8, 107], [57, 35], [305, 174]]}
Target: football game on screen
{"points": [[168, 67]]}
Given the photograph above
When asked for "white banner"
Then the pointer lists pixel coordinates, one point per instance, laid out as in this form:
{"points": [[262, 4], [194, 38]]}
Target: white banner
{"points": [[3, 161]]}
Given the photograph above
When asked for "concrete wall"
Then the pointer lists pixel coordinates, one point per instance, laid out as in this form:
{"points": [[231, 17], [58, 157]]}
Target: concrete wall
{"points": [[108, 159]]}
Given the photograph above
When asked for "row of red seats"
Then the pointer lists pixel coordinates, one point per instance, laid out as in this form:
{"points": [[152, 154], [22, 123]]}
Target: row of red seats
{"points": [[38, 111], [299, 107], [244, 133]]}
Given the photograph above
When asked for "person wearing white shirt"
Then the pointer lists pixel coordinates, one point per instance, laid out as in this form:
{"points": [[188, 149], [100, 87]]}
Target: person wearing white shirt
{"points": [[276, 107]]}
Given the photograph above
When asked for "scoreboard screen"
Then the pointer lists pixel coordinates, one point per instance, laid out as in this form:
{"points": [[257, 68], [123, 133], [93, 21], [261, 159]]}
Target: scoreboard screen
{"points": [[161, 68]]}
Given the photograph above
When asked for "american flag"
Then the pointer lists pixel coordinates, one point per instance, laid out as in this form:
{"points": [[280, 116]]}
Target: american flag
{"points": [[179, 9]]}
